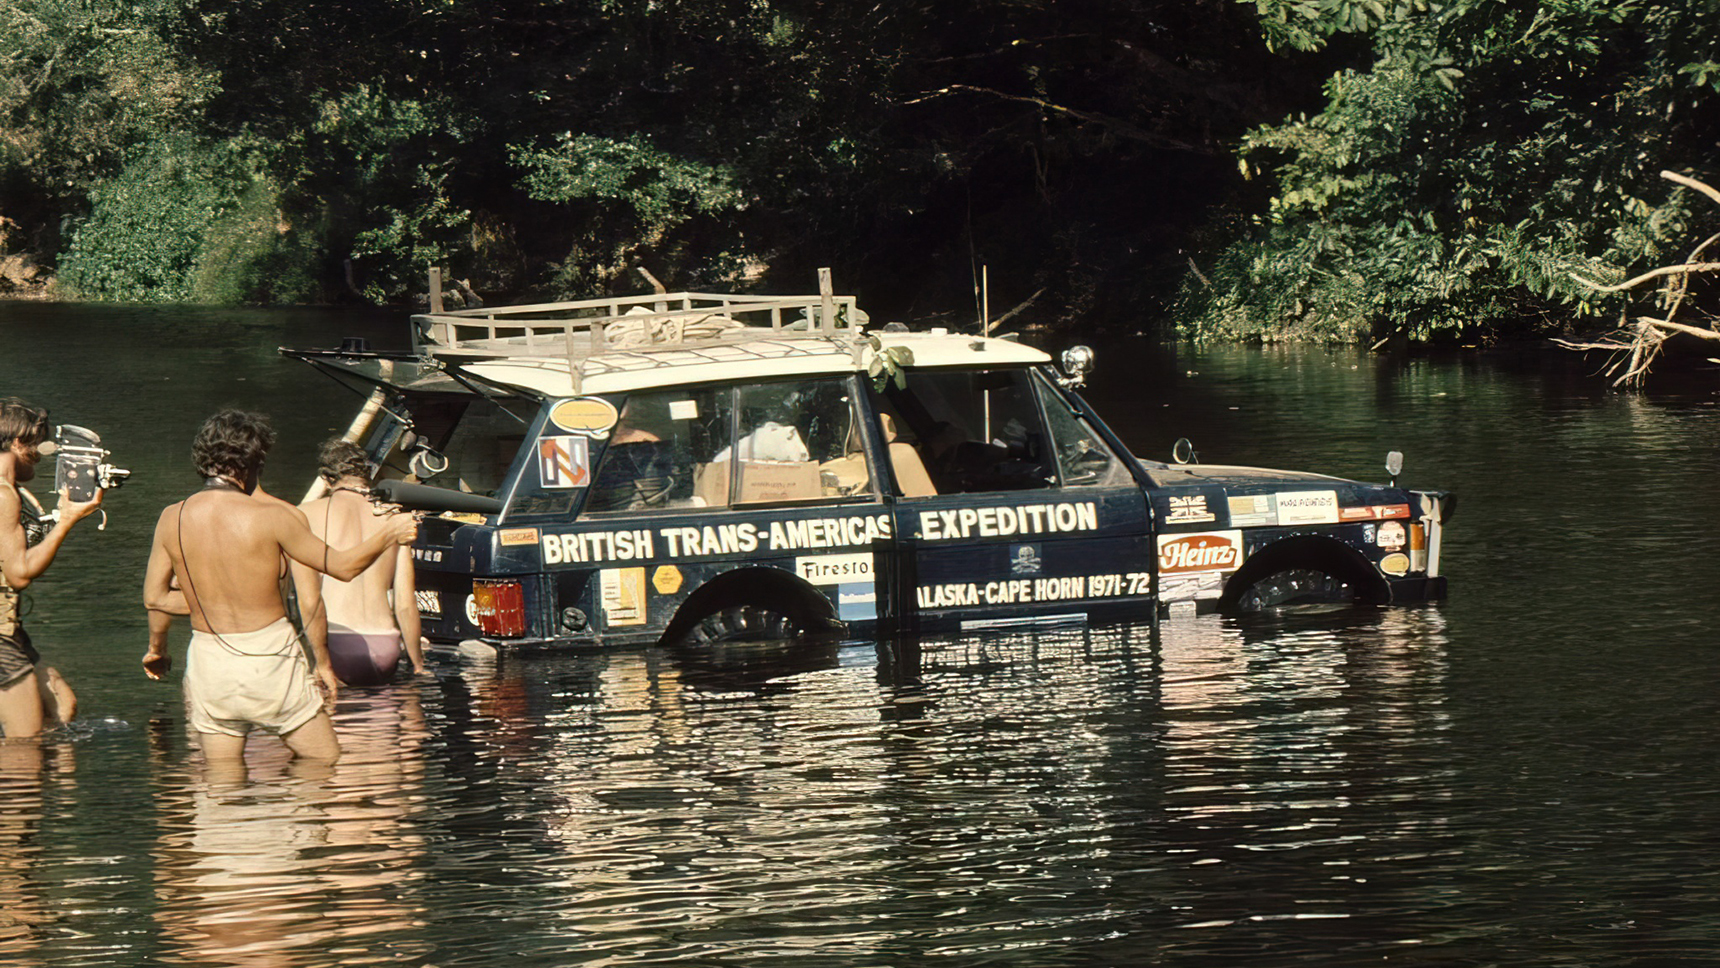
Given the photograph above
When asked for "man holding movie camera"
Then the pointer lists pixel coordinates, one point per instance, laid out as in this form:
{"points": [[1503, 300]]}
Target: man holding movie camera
{"points": [[29, 540]]}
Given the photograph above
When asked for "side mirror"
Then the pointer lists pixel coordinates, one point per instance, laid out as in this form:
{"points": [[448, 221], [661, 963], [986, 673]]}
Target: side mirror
{"points": [[1394, 465], [1182, 452], [1077, 363]]}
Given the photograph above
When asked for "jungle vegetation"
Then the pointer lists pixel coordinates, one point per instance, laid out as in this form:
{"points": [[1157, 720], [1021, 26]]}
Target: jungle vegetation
{"points": [[1316, 169]]}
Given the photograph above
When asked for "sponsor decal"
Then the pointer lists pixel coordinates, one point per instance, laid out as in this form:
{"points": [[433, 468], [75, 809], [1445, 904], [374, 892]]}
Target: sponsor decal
{"points": [[1375, 512], [1418, 546], [835, 569], [1252, 510], [517, 536], [564, 461], [1192, 586], [622, 592], [1368, 534], [472, 611], [1307, 507], [431, 555], [1004, 521], [856, 601], [1190, 509], [1024, 560], [1391, 536], [1207, 551], [1016, 591], [701, 541], [666, 579], [1396, 563], [588, 416], [429, 602]]}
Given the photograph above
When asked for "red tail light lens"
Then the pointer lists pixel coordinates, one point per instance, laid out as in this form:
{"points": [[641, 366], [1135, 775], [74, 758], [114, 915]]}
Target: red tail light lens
{"points": [[500, 607]]}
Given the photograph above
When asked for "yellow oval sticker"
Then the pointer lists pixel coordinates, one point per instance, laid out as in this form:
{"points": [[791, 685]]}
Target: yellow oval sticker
{"points": [[590, 416], [1396, 563]]}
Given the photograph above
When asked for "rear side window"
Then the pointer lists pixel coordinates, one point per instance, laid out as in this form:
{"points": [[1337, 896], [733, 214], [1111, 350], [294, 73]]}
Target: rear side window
{"points": [[657, 450], [797, 441]]}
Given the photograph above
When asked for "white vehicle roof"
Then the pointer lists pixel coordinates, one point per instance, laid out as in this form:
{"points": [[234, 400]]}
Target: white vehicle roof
{"points": [[770, 356]]}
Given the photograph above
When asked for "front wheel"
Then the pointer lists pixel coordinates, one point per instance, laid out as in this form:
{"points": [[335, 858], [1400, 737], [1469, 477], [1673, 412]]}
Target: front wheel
{"points": [[1296, 588]]}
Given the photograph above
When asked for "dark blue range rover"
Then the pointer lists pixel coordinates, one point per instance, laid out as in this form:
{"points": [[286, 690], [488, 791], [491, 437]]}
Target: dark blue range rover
{"points": [[721, 467]]}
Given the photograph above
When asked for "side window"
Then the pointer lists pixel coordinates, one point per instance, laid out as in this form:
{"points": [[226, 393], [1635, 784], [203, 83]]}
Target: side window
{"points": [[478, 450], [971, 431], [658, 452], [1083, 459], [796, 441]]}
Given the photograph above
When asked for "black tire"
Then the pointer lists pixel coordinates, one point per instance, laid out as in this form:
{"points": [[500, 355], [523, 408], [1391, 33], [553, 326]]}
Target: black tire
{"points": [[744, 625], [1298, 589]]}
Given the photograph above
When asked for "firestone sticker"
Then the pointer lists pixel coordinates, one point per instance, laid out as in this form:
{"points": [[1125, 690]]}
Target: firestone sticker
{"points": [[835, 569]]}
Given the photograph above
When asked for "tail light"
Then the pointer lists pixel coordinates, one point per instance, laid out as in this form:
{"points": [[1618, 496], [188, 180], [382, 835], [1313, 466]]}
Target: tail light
{"points": [[500, 607]]}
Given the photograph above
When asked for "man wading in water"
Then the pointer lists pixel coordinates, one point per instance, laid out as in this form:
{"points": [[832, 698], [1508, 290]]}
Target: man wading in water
{"points": [[245, 667], [367, 622]]}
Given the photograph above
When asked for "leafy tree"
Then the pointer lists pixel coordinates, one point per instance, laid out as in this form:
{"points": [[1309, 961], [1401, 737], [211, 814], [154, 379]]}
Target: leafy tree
{"points": [[83, 83], [1490, 152]]}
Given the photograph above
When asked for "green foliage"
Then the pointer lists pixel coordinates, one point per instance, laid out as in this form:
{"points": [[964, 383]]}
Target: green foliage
{"points": [[1491, 155], [658, 190], [81, 84], [187, 221]]}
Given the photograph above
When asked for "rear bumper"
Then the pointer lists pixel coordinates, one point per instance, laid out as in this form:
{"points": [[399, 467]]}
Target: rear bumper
{"points": [[1406, 590]]}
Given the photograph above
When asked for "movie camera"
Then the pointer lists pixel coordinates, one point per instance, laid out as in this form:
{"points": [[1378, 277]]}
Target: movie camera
{"points": [[80, 463]]}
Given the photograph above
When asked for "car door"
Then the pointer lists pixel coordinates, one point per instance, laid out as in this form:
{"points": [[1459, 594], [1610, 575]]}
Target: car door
{"points": [[1024, 514]]}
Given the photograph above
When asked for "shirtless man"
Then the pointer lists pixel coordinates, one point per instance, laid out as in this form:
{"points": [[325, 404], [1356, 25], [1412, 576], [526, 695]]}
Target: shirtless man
{"points": [[244, 668], [363, 629]]}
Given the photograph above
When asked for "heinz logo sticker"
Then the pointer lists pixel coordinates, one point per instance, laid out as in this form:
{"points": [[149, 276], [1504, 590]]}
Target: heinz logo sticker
{"points": [[1211, 551]]}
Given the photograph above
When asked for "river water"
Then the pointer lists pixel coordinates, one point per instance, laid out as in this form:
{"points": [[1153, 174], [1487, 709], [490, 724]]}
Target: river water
{"points": [[1523, 775]]}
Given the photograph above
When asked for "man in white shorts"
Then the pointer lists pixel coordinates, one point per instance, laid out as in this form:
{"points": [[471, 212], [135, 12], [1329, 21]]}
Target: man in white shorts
{"points": [[245, 668]]}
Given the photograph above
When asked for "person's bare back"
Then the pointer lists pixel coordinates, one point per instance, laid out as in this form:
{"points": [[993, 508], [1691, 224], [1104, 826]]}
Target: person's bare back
{"points": [[367, 622], [245, 667]]}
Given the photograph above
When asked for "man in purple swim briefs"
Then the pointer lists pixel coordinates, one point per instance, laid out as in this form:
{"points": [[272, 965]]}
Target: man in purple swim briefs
{"points": [[369, 620]]}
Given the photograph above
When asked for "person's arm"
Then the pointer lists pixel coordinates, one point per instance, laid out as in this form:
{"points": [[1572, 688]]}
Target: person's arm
{"points": [[406, 610], [22, 564], [313, 613], [296, 539], [157, 593]]}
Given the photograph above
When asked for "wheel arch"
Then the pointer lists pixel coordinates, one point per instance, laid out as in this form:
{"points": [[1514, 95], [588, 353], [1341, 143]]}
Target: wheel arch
{"points": [[1313, 551], [753, 585]]}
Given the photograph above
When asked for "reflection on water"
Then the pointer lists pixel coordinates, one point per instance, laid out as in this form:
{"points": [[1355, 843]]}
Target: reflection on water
{"points": [[1521, 776], [293, 864]]}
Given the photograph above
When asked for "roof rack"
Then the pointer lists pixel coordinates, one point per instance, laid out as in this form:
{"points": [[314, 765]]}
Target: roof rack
{"points": [[588, 328]]}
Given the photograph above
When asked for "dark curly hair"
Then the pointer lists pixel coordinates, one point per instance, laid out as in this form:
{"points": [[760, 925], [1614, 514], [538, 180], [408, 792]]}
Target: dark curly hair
{"points": [[20, 421], [340, 458], [232, 442]]}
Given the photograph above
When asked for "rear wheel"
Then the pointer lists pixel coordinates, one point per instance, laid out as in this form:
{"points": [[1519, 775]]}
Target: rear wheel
{"points": [[1302, 589], [743, 624]]}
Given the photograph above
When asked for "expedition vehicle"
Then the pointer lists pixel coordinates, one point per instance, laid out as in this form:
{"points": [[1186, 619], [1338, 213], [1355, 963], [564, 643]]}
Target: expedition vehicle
{"points": [[720, 467]]}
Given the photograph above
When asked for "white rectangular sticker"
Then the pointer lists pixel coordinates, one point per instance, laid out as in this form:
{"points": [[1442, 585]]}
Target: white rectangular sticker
{"points": [[1253, 509], [622, 592], [835, 569], [1307, 507]]}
